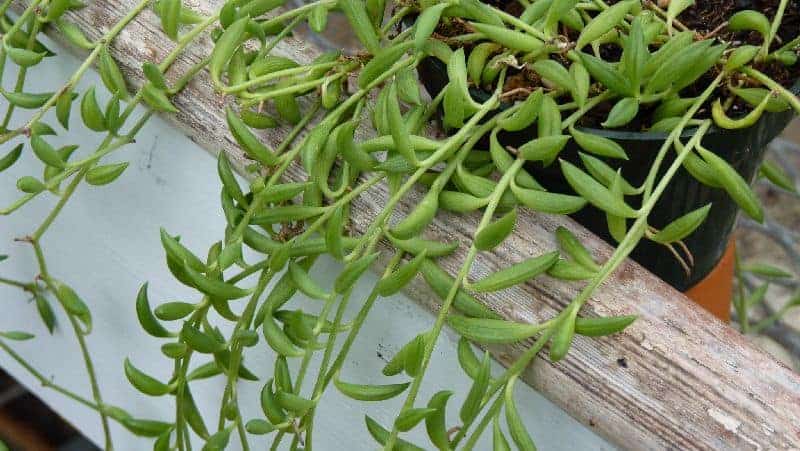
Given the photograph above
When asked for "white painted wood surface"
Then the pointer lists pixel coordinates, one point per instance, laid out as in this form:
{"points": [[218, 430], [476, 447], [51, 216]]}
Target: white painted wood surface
{"points": [[105, 244]]}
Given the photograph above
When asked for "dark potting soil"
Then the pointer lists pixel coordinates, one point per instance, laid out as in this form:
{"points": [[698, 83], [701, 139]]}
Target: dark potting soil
{"points": [[707, 18]]}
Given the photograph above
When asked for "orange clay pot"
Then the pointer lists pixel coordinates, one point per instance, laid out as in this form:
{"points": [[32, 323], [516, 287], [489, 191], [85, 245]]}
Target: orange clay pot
{"points": [[715, 292]]}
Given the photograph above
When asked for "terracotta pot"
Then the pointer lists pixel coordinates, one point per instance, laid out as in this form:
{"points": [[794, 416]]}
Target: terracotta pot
{"points": [[715, 292]]}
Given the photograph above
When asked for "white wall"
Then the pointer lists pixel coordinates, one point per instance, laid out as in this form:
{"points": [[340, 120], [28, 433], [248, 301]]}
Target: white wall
{"points": [[105, 244]]}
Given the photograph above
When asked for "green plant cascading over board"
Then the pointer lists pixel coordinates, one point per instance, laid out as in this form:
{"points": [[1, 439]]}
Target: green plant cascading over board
{"points": [[629, 56]]}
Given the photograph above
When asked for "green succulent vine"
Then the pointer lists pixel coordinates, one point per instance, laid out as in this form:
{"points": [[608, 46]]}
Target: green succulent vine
{"points": [[291, 223]]}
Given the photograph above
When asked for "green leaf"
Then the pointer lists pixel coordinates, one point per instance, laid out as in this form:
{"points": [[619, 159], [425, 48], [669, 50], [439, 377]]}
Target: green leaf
{"points": [[213, 287], [570, 244], [146, 428], [467, 359], [750, 20], [472, 404], [91, 114], [258, 426], [734, 185], [554, 72], [110, 74], [305, 283], [675, 44], [755, 96], [361, 24], [27, 100], [441, 283], [510, 39], [525, 115], [219, 440], [569, 270], [416, 246], [596, 193], [623, 112], [103, 175], [426, 23], [682, 227], [170, 17], [24, 57], [562, 337], [369, 392], [767, 270], [741, 56], [490, 236], [603, 23], [143, 382], [493, 331], [381, 435], [11, 157], [499, 442], [601, 326], [409, 418], [294, 403], [17, 335], [269, 405], [777, 176], [598, 145], [171, 311], [225, 46], [547, 202], [353, 271], [544, 149], [394, 282], [416, 221], [157, 99], [675, 8], [46, 153], [74, 305], [516, 273], [200, 341], [436, 422], [607, 74], [45, 312], [146, 319]]}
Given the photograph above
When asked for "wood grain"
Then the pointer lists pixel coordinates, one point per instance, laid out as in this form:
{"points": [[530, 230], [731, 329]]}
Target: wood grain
{"points": [[676, 379]]}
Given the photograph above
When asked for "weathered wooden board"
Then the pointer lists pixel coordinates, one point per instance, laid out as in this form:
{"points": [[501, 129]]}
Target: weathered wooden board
{"points": [[676, 379]]}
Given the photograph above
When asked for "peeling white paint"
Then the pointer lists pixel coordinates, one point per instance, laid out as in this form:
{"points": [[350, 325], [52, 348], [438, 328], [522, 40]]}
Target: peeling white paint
{"points": [[728, 422]]}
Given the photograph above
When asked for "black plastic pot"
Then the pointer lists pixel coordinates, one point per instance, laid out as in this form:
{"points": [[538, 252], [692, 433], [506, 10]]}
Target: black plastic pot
{"points": [[743, 149]]}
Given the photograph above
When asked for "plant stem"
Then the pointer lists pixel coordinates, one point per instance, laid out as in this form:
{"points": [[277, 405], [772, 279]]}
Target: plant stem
{"points": [[777, 315], [18, 284], [45, 276], [274, 75], [740, 299], [773, 85], [45, 381], [776, 24]]}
